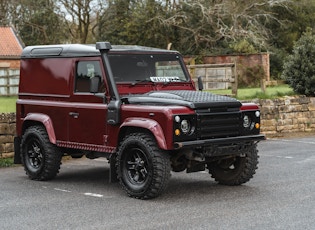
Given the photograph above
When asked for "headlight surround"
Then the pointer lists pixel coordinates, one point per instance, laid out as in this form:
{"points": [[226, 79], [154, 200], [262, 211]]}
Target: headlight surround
{"points": [[251, 122], [184, 127]]}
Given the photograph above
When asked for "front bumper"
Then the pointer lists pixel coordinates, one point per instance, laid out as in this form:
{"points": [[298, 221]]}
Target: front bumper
{"points": [[219, 141]]}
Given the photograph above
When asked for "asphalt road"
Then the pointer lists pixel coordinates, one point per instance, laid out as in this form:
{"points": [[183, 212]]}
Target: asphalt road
{"points": [[280, 196]]}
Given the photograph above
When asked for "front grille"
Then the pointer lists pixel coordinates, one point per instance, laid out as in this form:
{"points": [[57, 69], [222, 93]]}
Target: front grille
{"points": [[218, 125]]}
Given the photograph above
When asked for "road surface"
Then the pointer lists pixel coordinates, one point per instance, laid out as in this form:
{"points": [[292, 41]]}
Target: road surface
{"points": [[280, 196]]}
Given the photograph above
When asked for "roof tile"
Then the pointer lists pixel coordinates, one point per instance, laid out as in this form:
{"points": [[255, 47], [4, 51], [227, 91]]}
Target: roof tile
{"points": [[10, 45]]}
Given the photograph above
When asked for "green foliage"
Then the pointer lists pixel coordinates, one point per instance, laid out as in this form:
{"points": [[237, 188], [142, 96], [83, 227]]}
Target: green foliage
{"points": [[39, 24], [277, 57], [299, 68], [251, 77], [243, 46], [112, 23], [137, 23], [6, 162], [292, 21]]}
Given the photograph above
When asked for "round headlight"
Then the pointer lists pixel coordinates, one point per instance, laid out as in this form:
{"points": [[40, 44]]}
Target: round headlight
{"points": [[185, 126], [246, 121]]}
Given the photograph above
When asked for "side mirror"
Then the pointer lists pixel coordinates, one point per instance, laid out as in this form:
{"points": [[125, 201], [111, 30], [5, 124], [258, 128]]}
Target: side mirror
{"points": [[200, 83], [94, 84]]}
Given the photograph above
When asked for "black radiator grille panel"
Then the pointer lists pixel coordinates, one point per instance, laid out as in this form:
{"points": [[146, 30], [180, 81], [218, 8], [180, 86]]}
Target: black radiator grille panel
{"points": [[219, 125]]}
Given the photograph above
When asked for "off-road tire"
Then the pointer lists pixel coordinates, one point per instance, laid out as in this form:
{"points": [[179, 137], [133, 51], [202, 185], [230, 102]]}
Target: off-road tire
{"points": [[235, 170], [143, 169], [41, 159]]}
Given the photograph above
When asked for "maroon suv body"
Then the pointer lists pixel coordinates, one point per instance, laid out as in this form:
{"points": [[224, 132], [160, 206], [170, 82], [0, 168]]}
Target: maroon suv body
{"points": [[136, 106]]}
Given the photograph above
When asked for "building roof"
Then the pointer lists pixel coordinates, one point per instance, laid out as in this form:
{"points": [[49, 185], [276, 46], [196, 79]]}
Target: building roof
{"points": [[10, 44]]}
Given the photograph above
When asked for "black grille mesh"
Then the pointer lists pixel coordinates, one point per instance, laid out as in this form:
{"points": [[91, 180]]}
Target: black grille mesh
{"points": [[219, 125]]}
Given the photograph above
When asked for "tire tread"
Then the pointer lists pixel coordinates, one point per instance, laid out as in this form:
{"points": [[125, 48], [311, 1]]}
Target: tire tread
{"points": [[247, 173], [160, 160], [52, 158]]}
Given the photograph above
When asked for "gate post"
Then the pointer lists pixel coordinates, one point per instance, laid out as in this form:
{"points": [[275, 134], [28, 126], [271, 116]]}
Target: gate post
{"points": [[235, 83]]}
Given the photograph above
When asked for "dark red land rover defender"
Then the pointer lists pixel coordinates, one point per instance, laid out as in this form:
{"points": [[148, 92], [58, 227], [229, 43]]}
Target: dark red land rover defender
{"points": [[136, 106]]}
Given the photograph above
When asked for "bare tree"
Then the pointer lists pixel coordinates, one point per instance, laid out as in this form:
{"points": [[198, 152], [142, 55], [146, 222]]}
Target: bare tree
{"points": [[8, 12], [206, 23], [36, 21], [3, 12], [81, 17]]}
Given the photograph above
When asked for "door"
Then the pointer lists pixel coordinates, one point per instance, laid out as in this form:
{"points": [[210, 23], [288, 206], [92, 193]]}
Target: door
{"points": [[87, 115]]}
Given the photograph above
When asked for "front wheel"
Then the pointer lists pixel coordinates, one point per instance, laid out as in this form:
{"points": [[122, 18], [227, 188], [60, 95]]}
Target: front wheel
{"points": [[235, 170], [41, 158], [143, 169]]}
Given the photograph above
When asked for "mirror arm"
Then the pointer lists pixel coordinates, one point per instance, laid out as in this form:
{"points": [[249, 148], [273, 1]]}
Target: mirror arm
{"points": [[200, 83]]}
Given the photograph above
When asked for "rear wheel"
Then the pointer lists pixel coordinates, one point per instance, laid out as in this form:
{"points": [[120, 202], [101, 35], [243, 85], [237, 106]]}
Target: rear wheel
{"points": [[41, 158], [142, 168], [235, 170]]}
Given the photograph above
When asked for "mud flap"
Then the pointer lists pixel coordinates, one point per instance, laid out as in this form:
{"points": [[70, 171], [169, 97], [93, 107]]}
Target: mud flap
{"points": [[17, 150], [112, 171]]}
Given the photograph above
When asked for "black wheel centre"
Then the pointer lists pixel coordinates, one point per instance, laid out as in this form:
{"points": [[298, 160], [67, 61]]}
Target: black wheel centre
{"points": [[34, 154], [136, 166]]}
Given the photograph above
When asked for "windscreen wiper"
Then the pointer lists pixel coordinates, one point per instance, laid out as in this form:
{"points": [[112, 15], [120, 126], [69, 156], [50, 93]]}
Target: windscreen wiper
{"points": [[141, 81]]}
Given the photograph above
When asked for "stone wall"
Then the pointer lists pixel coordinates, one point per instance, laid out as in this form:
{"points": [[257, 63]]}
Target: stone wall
{"points": [[287, 115], [7, 132], [292, 114]]}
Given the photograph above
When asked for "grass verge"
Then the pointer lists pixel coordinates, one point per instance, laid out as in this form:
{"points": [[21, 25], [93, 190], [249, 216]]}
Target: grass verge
{"points": [[7, 104], [6, 162], [252, 93]]}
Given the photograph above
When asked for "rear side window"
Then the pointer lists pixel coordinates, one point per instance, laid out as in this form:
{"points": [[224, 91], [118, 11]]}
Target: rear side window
{"points": [[85, 70]]}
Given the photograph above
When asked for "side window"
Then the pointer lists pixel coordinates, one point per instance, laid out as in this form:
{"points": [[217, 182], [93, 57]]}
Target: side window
{"points": [[85, 70]]}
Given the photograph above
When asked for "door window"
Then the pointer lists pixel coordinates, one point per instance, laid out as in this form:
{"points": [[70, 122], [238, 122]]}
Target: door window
{"points": [[86, 70]]}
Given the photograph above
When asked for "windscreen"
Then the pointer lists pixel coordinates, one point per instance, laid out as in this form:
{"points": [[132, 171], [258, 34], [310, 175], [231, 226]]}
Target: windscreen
{"points": [[147, 68]]}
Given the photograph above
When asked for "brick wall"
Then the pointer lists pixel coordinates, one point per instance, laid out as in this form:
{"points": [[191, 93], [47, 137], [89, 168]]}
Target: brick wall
{"points": [[242, 62], [10, 63], [284, 115]]}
